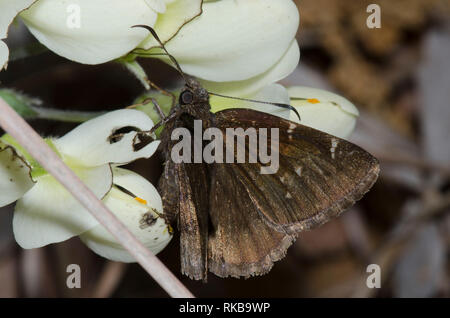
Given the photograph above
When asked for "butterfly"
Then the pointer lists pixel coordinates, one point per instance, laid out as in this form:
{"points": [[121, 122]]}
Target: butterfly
{"points": [[235, 221]]}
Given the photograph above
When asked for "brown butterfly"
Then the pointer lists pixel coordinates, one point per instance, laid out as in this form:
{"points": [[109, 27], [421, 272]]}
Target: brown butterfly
{"points": [[235, 221]]}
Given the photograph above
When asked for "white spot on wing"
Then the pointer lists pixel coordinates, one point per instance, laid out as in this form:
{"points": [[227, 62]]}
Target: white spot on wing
{"points": [[291, 128], [298, 171], [334, 144]]}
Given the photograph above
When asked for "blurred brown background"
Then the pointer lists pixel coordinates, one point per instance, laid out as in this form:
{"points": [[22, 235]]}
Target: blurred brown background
{"points": [[399, 78]]}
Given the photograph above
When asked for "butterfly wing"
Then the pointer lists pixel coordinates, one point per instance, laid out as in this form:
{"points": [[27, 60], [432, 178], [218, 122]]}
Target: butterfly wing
{"points": [[170, 191], [211, 204], [193, 219], [184, 191], [255, 216], [239, 243]]}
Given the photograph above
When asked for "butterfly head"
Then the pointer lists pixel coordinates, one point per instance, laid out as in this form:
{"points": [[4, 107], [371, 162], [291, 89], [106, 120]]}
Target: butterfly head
{"points": [[193, 93]]}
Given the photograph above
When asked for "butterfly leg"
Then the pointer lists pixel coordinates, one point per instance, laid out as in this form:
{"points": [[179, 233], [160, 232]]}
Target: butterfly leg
{"points": [[158, 109], [151, 99], [163, 91], [155, 105], [162, 122]]}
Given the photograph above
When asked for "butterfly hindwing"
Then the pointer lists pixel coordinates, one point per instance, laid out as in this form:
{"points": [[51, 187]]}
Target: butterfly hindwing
{"points": [[240, 243]]}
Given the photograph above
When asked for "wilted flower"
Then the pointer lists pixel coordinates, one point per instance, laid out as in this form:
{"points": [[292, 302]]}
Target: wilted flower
{"points": [[46, 213]]}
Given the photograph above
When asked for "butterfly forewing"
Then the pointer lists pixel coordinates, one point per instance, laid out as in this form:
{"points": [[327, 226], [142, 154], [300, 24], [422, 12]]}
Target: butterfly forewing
{"points": [[184, 189], [319, 175], [169, 188], [193, 220]]}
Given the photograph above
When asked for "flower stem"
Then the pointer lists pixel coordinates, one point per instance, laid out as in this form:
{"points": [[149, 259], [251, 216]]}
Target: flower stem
{"points": [[71, 116], [31, 108], [136, 69]]}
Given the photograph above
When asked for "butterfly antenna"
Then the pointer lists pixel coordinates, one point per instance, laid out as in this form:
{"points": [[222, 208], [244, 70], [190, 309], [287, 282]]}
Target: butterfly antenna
{"points": [[174, 61], [282, 105]]}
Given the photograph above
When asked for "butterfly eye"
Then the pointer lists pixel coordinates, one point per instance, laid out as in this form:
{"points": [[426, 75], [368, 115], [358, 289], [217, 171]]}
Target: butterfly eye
{"points": [[186, 97]]}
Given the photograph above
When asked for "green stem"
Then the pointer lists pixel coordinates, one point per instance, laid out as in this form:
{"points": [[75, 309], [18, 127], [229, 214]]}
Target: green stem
{"points": [[29, 108], [136, 69], [70, 116]]}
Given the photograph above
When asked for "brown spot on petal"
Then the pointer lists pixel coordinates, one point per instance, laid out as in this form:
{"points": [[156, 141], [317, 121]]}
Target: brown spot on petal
{"points": [[117, 134], [147, 220]]}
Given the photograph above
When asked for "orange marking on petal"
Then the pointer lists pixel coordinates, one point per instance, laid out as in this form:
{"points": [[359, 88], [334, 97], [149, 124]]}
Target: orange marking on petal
{"points": [[313, 101], [142, 201]]}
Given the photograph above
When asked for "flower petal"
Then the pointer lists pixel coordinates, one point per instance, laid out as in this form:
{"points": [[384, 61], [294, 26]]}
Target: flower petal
{"points": [[157, 5], [252, 86], [133, 214], [4, 55], [274, 93], [15, 176], [104, 32], [235, 40], [89, 143], [176, 15], [49, 214], [8, 11], [324, 111]]}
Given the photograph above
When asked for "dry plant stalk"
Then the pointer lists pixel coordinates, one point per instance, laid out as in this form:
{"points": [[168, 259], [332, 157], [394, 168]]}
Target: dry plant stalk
{"points": [[19, 129], [109, 279]]}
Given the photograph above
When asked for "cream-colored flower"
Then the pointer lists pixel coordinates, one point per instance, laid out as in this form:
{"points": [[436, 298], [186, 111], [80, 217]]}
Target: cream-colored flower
{"points": [[235, 40], [94, 31], [9, 9], [46, 213], [140, 209], [323, 110], [237, 43], [4, 54], [318, 109], [261, 88], [15, 175]]}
